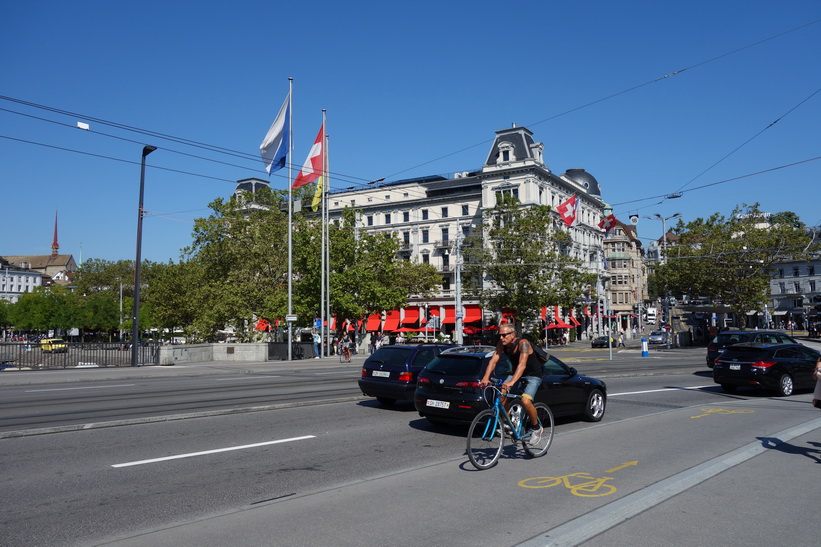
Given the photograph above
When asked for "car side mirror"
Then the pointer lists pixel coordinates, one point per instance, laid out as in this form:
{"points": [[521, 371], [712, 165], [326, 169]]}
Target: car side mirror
{"points": [[573, 372]]}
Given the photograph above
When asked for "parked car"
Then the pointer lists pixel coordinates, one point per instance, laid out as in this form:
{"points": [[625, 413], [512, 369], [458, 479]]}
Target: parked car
{"points": [[782, 368], [601, 342], [448, 390], [389, 373], [657, 337], [730, 337], [53, 345]]}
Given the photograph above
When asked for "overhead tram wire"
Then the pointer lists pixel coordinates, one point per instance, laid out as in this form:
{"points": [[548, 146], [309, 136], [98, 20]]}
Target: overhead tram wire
{"points": [[745, 143], [618, 93], [179, 140]]}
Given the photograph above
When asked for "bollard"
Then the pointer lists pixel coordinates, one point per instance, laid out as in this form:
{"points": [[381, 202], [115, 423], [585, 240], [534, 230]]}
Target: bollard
{"points": [[644, 351]]}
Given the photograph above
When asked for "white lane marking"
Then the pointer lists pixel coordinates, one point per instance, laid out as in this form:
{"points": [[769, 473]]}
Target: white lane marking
{"points": [[598, 521], [74, 388], [658, 390], [244, 378], [215, 451]]}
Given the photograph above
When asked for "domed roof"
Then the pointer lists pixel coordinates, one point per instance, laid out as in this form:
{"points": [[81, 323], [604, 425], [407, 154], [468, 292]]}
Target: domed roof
{"points": [[585, 180]]}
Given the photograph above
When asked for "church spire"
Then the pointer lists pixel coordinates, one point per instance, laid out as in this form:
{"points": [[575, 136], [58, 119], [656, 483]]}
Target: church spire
{"points": [[55, 247]]}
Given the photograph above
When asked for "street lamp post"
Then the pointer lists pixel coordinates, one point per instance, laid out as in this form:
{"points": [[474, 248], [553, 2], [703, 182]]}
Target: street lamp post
{"points": [[135, 327], [664, 248]]}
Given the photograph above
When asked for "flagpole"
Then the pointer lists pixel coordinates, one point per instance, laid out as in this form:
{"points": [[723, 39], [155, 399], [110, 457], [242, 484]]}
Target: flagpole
{"points": [[324, 295], [290, 216], [326, 186]]}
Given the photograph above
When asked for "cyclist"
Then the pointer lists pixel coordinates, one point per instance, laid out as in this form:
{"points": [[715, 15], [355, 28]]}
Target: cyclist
{"points": [[345, 346], [528, 367]]}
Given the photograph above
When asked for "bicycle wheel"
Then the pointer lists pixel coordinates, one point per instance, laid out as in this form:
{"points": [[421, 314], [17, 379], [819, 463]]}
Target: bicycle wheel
{"points": [[486, 437], [539, 448]]}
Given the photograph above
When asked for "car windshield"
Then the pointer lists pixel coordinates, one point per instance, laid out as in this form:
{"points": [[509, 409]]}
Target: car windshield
{"points": [[656, 333], [390, 356], [464, 365], [728, 338]]}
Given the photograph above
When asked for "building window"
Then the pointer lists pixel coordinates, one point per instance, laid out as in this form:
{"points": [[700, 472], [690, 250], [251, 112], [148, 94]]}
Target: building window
{"points": [[812, 286], [405, 216], [810, 270], [387, 196], [782, 287], [406, 237], [795, 271], [465, 230], [465, 211], [425, 258], [424, 214], [780, 272], [387, 218], [797, 285], [444, 212], [425, 236], [370, 220], [446, 283], [445, 235]]}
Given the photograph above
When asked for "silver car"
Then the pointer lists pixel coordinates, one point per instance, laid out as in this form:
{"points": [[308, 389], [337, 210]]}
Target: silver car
{"points": [[658, 337]]}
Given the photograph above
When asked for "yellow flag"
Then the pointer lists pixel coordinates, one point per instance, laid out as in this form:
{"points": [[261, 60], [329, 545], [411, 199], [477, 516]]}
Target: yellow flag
{"points": [[318, 194]]}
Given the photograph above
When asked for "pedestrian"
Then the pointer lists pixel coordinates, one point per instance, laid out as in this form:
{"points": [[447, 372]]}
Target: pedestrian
{"points": [[621, 340], [317, 340], [816, 395]]}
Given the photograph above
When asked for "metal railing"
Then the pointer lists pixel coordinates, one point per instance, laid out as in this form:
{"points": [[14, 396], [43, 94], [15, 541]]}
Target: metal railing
{"points": [[30, 356]]}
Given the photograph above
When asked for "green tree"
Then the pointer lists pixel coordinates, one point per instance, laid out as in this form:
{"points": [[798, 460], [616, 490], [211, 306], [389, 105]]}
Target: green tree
{"points": [[730, 258], [366, 276], [519, 262]]}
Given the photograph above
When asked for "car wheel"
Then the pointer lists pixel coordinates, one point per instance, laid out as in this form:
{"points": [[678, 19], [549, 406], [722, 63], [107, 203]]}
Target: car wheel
{"points": [[386, 401], [594, 410], [785, 385], [728, 388]]}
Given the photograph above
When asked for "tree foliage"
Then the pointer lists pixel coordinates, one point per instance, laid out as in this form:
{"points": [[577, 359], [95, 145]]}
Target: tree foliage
{"points": [[730, 259], [519, 261]]}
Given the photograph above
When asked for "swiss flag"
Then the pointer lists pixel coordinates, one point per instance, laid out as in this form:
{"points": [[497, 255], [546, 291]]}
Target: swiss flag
{"points": [[314, 164], [567, 210], [607, 222]]}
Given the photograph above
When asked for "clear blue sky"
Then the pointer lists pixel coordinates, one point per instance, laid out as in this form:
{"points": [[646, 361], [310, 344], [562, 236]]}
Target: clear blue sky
{"points": [[411, 89]]}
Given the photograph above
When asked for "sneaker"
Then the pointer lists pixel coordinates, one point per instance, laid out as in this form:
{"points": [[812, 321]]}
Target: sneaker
{"points": [[508, 430], [536, 436]]}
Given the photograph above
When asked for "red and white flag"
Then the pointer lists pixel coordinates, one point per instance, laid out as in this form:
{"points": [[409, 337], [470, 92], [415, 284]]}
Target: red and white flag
{"points": [[314, 164], [567, 210], [608, 222]]}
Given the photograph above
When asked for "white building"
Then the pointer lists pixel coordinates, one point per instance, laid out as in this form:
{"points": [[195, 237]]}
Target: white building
{"points": [[428, 214], [17, 280]]}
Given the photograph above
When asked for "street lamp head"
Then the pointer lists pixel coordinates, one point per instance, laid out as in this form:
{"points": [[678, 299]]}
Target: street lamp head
{"points": [[148, 149]]}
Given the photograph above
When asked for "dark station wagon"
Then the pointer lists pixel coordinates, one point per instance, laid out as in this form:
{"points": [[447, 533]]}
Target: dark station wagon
{"points": [[389, 374], [781, 368]]}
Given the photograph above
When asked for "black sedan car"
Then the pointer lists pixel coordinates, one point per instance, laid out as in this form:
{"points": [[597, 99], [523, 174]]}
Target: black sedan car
{"points": [[389, 374], [730, 337], [448, 390], [782, 368], [603, 342]]}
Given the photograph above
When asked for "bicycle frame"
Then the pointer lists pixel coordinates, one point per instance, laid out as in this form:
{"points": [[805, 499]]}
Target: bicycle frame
{"points": [[499, 409]]}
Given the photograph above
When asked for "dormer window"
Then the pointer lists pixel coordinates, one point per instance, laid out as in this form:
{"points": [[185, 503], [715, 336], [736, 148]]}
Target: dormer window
{"points": [[506, 152]]}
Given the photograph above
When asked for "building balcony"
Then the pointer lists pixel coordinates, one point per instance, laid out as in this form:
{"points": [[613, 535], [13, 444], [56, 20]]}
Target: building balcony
{"points": [[442, 243]]}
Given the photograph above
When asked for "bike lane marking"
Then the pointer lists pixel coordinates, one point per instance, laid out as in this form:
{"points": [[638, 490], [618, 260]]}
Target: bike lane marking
{"points": [[712, 411], [598, 521]]}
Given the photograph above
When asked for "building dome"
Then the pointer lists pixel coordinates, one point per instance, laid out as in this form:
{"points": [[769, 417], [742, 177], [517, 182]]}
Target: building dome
{"points": [[585, 180]]}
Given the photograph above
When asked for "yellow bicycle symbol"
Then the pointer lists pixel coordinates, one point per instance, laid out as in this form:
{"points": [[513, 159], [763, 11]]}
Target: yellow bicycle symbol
{"points": [[709, 411], [591, 487]]}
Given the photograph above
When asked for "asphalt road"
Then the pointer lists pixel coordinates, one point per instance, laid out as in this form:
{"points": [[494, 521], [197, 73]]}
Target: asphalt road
{"points": [[672, 449]]}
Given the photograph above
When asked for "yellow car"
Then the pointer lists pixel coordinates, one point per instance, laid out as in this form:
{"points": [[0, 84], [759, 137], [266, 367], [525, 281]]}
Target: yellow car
{"points": [[51, 345]]}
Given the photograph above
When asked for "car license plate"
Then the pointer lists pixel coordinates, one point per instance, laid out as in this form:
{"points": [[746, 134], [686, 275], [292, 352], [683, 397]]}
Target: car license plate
{"points": [[382, 373], [438, 404], [735, 367]]}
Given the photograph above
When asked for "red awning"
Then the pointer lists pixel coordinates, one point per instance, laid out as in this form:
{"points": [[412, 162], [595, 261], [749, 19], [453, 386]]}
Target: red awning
{"points": [[373, 322], [575, 321], [587, 311], [472, 313], [411, 316], [333, 323], [450, 315], [392, 321]]}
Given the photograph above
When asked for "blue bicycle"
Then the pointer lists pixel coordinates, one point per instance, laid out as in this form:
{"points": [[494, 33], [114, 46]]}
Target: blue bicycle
{"points": [[486, 436]]}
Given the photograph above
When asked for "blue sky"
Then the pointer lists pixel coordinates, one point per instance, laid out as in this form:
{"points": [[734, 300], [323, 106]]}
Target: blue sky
{"points": [[410, 89]]}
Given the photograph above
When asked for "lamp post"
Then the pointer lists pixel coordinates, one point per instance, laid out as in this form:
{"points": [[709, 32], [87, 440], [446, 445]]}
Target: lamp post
{"points": [[664, 248], [135, 326]]}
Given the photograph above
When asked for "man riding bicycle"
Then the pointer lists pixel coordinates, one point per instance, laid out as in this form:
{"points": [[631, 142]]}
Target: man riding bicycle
{"points": [[345, 346], [528, 367]]}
